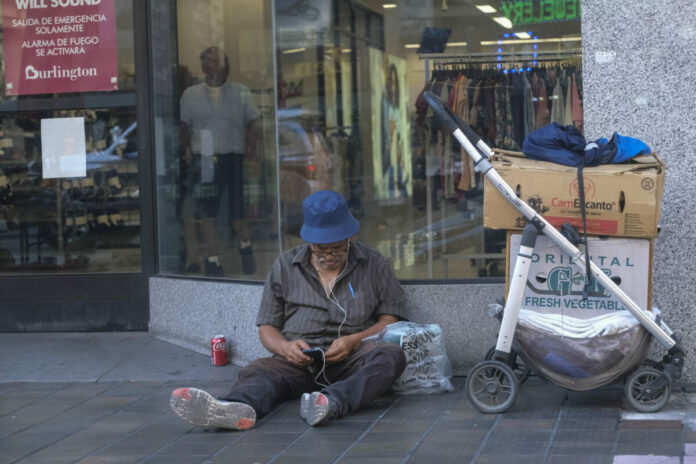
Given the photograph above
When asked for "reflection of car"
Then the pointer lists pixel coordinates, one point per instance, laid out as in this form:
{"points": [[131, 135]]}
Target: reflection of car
{"points": [[461, 235], [305, 162]]}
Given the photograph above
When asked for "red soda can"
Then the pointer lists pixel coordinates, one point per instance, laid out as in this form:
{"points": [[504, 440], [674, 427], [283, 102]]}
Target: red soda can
{"points": [[218, 350]]}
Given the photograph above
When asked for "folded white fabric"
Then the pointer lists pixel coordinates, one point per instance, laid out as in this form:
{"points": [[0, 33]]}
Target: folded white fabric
{"points": [[574, 327]]}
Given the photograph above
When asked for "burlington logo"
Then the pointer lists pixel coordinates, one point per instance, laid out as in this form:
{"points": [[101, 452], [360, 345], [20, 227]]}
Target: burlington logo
{"points": [[31, 73]]}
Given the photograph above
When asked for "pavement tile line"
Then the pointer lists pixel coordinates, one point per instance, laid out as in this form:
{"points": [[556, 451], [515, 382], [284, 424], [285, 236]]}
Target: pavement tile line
{"points": [[687, 451], [103, 393], [39, 398], [351, 446], [145, 409], [617, 437], [243, 434], [125, 360], [369, 429], [169, 386], [484, 442], [117, 411], [425, 434], [554, 432], [10, 390], [289, 445], [77, 405], [145, 425], [80, 404]]}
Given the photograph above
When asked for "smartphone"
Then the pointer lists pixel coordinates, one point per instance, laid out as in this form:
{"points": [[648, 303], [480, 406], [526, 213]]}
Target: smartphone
{"points": [[315, 353]]}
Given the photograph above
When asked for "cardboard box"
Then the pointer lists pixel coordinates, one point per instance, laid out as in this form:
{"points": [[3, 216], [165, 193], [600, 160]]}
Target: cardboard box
{"points": [[621, 199], [555, 283]]}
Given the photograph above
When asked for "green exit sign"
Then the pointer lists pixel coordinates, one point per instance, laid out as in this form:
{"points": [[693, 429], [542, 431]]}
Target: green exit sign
{"points": [[523, 12]]}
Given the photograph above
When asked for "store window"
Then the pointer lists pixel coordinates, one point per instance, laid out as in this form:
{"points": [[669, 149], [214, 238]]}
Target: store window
{"points": [[359, 67], [69, 188], [215, 138], [328, 96]]}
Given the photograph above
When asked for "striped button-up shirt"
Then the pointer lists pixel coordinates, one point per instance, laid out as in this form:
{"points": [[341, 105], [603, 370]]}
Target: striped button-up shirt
{"points": [[295, 302]]}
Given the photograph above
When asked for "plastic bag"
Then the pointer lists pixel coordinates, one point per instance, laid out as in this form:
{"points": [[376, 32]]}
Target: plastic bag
{"points": [[428, 368]]}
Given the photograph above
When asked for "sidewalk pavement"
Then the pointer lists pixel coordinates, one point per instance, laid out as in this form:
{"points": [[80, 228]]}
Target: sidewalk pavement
{"points": [[104, 398]]}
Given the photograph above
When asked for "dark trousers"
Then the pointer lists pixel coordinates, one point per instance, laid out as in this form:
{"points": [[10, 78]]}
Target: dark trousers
{"points": [[366, 374]]}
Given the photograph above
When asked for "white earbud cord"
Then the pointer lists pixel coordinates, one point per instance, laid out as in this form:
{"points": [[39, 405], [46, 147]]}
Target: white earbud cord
{"points": [[331, 296]]}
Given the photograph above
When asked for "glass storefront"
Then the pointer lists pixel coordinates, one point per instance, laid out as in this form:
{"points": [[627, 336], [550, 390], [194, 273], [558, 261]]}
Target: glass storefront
{"points": [[52, 221], [215, 138], [259, 104]]}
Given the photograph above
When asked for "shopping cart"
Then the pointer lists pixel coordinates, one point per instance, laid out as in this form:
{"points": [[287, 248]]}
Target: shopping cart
{"points": [[493, 385]]}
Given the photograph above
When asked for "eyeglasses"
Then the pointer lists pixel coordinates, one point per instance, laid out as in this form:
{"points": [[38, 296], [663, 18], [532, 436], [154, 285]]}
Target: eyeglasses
{"points": [[322, 251]]}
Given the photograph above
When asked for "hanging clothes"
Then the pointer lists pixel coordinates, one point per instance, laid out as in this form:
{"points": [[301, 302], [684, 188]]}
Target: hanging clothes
{"points": [[540, 97], [461, 96], [460, 179], [578, 120], [529, 116], [568, 103], [445, 150], [557, 103], [500, 105]]}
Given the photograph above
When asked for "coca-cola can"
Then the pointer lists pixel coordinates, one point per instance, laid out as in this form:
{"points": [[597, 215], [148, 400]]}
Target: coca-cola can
{"points": [[218, 350]]}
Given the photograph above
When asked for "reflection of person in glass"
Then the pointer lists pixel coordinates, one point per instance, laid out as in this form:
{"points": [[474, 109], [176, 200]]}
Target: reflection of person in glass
{"points": [[218, 129], [393, 173]]}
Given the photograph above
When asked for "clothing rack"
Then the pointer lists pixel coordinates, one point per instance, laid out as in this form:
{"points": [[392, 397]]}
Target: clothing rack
{"points": [[439, 60], [458, 58]]}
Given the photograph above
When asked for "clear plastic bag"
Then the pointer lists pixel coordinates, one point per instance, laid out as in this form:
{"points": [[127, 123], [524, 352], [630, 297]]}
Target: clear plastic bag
{"points": [[428, 368]]}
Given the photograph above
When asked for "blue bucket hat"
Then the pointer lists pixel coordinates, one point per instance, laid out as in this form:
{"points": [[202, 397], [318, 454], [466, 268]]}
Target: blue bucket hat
{"points": [[327, 218]]}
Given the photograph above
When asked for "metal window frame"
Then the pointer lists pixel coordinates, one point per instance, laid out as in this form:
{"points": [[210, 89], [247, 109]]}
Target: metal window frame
{"points": [[95, 302]]}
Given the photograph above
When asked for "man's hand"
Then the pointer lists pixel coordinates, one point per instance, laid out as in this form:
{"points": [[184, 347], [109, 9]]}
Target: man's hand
{"points": [[276, 343], [341, 348], [292, 351]]}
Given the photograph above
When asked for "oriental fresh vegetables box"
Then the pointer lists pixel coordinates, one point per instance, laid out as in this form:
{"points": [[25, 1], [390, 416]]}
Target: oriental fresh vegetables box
{"points": [[555, 281], [620, 199]]}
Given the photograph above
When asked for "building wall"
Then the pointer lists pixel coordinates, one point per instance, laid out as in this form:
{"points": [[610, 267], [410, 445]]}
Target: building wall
{"points": [[639, 67], [189, 313], [639, 70]]}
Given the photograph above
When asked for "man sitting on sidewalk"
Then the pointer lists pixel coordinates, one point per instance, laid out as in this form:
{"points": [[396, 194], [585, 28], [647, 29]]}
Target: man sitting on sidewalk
{"points": [[330, 294]]}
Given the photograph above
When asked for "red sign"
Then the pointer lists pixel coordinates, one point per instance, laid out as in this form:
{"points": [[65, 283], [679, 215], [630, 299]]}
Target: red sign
{"points": [[58, 46], [594, 226]]}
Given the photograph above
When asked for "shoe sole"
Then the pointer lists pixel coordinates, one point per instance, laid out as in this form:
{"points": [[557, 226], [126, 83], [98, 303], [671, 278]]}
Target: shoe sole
{"points": [[314, 408], [198, 407]]}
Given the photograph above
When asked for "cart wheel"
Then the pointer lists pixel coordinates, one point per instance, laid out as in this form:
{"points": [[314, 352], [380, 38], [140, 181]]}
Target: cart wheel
{"points": [[492, 387], [640, 397], [518, 366], [651, 363]]}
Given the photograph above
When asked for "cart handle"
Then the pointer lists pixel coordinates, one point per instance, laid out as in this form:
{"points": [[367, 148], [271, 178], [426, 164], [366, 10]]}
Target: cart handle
{"points": [[449, 117]]}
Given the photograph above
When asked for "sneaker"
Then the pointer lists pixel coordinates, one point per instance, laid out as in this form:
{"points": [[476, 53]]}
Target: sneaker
{"points": [[198, 407], [316, 408], [213, 268], [192, 269], [248, 261]]}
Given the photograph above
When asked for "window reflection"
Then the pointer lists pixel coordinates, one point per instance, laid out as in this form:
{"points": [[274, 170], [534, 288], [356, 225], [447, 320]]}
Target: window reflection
{"points": [[359, 69], [58, 223], [218, 132], [216, 170], [337, 90], [87, 223]]}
